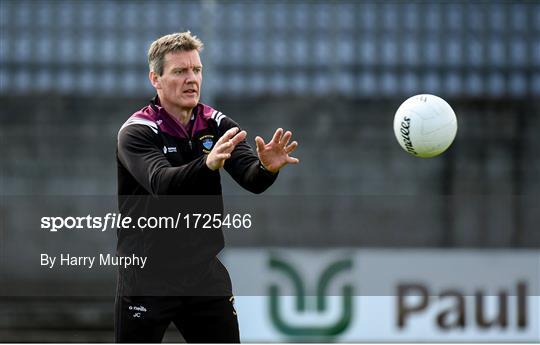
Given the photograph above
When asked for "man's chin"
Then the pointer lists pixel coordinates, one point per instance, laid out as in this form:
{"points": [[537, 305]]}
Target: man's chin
{"points": [[192, 103]]}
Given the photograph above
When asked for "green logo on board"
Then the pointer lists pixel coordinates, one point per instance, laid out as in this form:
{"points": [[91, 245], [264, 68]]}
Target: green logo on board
{"points": [[330, 330]]}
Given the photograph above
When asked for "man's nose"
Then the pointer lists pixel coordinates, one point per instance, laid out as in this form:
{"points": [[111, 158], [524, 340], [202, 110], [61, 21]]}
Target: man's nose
{"points": [[191, 77]]}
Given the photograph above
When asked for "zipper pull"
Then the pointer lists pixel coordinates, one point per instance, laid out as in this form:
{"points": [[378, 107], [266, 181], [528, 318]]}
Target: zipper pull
{"points": [[190, 145]]}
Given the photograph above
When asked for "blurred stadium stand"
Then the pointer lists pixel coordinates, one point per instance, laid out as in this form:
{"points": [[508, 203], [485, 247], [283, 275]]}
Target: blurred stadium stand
{"points": [[71, 72], [487, 49]]}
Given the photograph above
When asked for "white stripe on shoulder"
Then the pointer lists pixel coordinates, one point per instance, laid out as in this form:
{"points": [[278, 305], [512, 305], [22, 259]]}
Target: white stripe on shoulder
{"points": [[136, 121], [214, 113], [220, 116]]}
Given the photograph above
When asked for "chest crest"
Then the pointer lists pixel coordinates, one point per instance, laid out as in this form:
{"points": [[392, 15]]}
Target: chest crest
{"points": [[207, 142]]}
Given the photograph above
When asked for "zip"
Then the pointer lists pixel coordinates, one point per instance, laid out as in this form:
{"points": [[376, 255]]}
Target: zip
{"points": [[190, 135]]}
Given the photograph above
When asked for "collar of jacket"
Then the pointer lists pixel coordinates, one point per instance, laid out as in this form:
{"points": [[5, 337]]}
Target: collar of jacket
{"points": [[171, 126]]}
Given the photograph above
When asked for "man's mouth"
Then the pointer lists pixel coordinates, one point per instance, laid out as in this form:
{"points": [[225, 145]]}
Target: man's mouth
{"points": [[190, 91]]}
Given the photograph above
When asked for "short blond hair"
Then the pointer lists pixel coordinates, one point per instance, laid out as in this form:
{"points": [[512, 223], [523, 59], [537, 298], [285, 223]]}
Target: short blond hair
{"points": [[179, 41]]}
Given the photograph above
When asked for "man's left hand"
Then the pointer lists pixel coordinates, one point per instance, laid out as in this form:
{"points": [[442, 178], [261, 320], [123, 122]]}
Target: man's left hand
{"points": [[275, 154]]}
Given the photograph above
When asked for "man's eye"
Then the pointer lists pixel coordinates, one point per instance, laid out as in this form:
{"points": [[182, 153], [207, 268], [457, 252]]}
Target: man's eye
{"points": [[197, 70]]}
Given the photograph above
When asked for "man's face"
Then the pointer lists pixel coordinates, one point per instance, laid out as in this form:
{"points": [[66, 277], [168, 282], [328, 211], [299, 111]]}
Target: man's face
{"points": [[180, 83]]}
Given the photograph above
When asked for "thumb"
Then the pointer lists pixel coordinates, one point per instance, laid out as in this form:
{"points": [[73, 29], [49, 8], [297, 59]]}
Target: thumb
{"points": [[260, 143]]}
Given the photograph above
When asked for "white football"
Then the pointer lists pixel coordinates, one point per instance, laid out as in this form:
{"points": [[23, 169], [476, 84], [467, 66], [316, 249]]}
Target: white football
{"points": [[425, 125]]}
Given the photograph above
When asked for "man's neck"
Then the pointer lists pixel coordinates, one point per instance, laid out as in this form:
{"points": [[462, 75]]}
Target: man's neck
{"points": [[182, 115]]}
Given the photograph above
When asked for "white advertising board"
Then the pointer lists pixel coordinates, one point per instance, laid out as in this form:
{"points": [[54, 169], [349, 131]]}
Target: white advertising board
{"points": [[348, 295]]}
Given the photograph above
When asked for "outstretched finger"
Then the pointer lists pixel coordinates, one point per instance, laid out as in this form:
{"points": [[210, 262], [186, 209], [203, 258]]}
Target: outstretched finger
{"points": [[224, 147], [238, 138], [227, 135], [293, 160], [291, 147], [230, 145], [285, 139], [277, 135], [260, 143]]}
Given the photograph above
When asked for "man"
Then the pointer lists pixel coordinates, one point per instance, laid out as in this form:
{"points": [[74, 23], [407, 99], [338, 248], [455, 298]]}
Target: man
{"points": [[169, 155]]}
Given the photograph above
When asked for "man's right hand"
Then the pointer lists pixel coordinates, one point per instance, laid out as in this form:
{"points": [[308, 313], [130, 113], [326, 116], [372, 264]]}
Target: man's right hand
{"points": [[223, 148]]}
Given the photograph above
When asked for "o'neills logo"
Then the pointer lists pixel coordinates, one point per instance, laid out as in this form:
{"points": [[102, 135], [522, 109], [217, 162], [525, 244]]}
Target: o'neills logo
{"points": [[137, 308], [405, 125]]}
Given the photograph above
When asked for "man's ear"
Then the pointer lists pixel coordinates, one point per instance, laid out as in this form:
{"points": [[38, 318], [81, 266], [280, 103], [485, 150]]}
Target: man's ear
{"points": [[154, 79]]}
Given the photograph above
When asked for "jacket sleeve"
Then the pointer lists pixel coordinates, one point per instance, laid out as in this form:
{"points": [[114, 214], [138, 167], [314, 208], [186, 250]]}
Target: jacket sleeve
{"points": [[140, 153], [244, 165]]}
